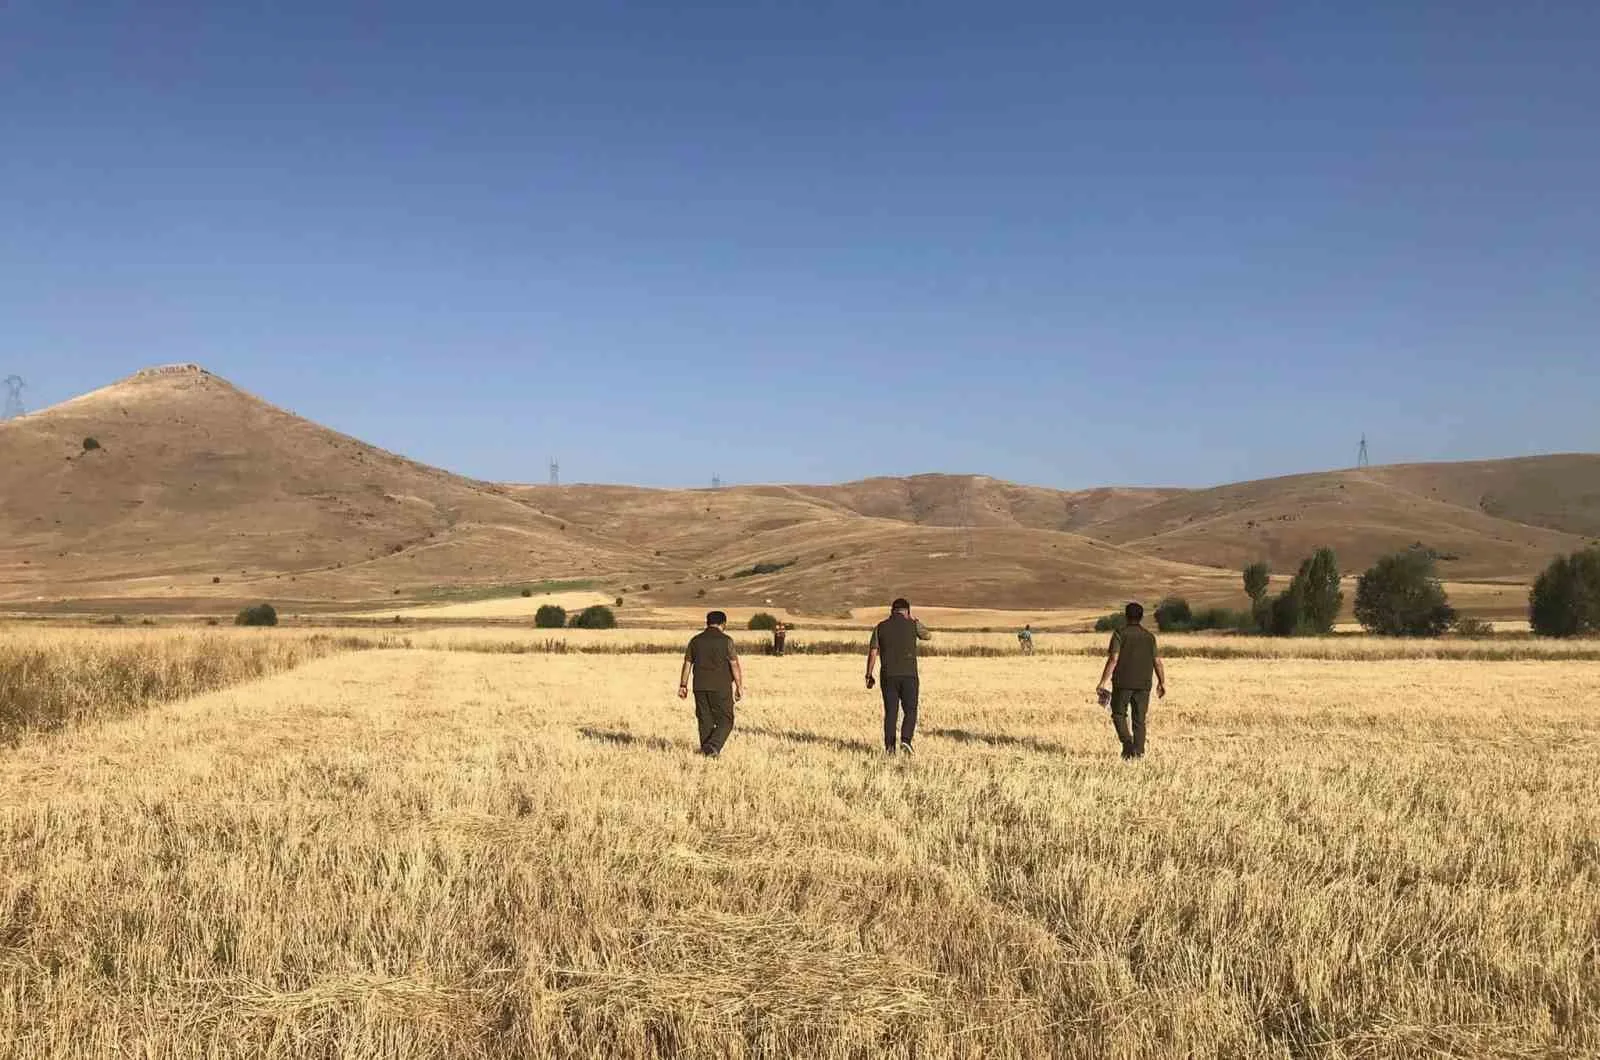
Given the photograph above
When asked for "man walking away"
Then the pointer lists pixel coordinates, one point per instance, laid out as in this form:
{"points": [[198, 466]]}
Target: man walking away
{"points": [[780, 635], [1025, 639], [895, 640], [718, 682], [1130, 662]]}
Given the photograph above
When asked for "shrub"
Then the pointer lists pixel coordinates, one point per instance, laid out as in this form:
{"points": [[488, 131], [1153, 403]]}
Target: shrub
{"points": [[619, 601], [1400, 596], [1283, 616], [527, 593], [764, 568], [550, 616], [90, 444], [1108, 623], [1222, 618], [1257, 577], [700, 594], [646, 586], [762, 620], [1565, 599], [259, 615], [216, 580], [1473, 627], [1173, 615], [597, 616]]}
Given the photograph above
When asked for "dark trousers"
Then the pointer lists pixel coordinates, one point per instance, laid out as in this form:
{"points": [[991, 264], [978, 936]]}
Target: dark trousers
{"points": [[714, 712], [899, 694], [1139, 700]]}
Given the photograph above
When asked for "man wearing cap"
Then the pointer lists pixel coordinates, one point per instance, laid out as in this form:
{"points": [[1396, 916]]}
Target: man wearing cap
{"points": [[895, 640], [1131, 661], [718, 682]]}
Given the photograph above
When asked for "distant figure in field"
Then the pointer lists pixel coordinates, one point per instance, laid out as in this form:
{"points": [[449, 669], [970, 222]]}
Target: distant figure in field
{"points": [[1130, 663], [780, 636], [1025, 639], [895, 639], [718, 682]]}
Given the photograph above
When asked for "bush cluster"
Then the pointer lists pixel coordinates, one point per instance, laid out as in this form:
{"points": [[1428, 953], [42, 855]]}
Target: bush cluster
{"points": [[258, 615], [597, 616], [550, 616]]}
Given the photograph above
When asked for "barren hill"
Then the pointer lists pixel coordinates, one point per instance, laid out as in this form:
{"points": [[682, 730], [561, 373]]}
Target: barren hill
{"points": [[195, 493], [194, 487], [1364, 514]]}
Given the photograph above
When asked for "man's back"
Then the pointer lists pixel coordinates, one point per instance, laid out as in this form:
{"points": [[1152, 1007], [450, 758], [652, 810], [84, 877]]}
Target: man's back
{"points": [[712, 653], [895, 639], [1135, 648]]}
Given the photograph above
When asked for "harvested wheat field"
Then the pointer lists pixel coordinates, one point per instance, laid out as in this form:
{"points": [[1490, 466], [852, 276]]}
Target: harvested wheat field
{"points": [[458, 853]]}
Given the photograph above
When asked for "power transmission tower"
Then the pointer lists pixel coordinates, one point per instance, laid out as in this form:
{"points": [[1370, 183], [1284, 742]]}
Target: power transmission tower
{"points": [[716, 482], [14, 388], [555, 472], [1362, 460]]}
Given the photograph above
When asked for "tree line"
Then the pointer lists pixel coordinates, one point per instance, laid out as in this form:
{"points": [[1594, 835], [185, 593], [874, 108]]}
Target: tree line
{"points": [[1398, 596]]}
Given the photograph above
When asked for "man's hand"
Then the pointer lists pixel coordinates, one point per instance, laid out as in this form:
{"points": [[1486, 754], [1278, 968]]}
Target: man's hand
{"points": [[738, 693], [1161, 691], [870, 681], [683, 691]]}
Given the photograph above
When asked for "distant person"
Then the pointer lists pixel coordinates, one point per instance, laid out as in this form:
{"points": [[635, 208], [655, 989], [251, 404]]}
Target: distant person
{"points": [[1131, 661], [718, 682], [1025, 639], [780, 636], [895, 640]]}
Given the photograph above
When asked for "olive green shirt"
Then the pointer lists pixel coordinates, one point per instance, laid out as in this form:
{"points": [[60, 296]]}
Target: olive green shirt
{"points": [[895, 641], [711, 654], [1135, 649]]}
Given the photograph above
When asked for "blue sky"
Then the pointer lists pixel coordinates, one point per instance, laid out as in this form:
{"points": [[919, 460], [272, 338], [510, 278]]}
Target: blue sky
{"points": [[1068, 245]]}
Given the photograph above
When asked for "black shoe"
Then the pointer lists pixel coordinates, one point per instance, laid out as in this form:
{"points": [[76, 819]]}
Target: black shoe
{"points": [[1128, 755], [906, 749]]}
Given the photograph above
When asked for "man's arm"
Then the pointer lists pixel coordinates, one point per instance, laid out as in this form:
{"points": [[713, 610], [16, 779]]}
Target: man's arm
{"points": [[738, 678], [1161, 679], [1111, 664], [683, 678], [923, 632], [1112, 653], [872, 657]]}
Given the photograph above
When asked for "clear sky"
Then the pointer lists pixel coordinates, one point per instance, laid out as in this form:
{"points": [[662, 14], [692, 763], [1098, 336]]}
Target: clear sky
{"points": [[1063, 244]]}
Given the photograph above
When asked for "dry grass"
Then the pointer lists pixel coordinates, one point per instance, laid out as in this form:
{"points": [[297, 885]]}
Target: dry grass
{"points": [[1343, 647], [434, 853], [49, 680]]}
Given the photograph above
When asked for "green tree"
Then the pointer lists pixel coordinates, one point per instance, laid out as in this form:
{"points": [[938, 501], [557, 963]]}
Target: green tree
{"points": [[550, 616], [1319, 592], [1400, 596], [1257, 577], [1173, 615], [598, 616], [762, 620], [259, 615], [1565, 599], [1284, 614], [1109, 623]]}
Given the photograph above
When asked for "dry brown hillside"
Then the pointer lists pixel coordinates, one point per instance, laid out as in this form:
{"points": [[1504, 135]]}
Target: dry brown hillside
{"points": [[1363, 514], [200, 489], [199, 495]]}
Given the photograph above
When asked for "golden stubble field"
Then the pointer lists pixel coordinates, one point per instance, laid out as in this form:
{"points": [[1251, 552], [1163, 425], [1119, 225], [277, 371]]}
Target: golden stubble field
{"points": [[431, 853]]}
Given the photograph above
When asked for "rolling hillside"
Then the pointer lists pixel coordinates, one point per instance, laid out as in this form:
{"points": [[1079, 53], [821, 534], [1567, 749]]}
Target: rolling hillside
{"points": [[196, 495]]}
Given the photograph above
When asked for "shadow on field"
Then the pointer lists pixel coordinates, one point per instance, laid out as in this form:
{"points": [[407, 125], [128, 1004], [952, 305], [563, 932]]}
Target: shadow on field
{"points": [[627, 739], [999, 740], [815, 739]]}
